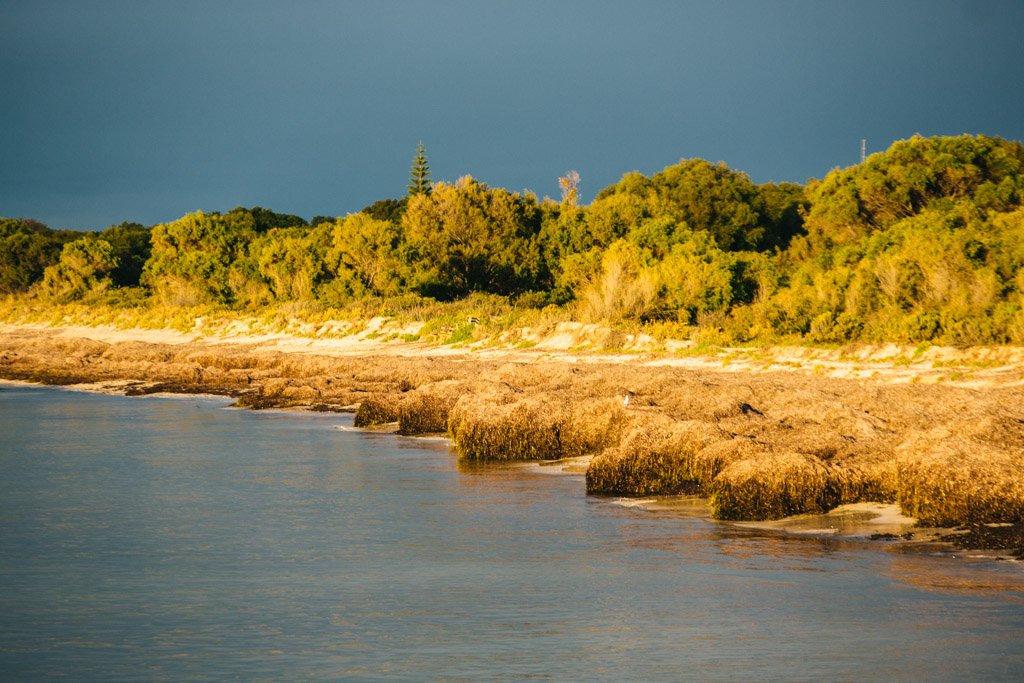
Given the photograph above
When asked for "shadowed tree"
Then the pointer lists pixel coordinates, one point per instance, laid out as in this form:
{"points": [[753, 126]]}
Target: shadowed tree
{"points": [[387, 209], [132, 248], [27, 247]]}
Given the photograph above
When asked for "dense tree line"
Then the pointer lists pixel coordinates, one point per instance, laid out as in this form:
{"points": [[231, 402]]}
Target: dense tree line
{"points": [[924, 241]]}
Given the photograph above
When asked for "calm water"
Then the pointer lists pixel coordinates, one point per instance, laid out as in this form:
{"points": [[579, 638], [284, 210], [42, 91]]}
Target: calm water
{"points": [[173, 538]]}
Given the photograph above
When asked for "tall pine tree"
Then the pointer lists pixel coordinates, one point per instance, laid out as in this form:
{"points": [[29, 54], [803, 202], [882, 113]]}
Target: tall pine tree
{"points": [[419, 176]]}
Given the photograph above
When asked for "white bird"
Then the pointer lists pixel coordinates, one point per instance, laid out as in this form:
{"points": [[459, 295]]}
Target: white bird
{"points": [[625, 402]]}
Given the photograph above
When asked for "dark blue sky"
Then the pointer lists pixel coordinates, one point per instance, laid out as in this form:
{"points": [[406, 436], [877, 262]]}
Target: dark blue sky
{"points": [[135, 110]]}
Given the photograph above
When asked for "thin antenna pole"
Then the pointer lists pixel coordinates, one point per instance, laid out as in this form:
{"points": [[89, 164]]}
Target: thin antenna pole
{"points": [[863, 149]]}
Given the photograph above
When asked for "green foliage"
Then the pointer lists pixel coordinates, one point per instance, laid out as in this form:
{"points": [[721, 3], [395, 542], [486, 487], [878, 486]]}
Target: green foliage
{"points": [[714, 198], [664, 271], [566, 240], [710, 197], [461, 334], [85, 266], [921, 243], [192, 258], [27, 247], [612, 217], [695, 278], [911, 176], [467, 237], [365, 256], [929, 277], [290, 261]]}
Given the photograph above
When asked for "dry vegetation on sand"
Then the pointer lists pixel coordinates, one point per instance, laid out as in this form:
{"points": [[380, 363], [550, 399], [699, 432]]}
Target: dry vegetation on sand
{"points": [[760, 445]]}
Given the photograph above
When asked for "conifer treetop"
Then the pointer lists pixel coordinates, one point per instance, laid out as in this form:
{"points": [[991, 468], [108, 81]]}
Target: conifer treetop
{"points": [[419, 175]]}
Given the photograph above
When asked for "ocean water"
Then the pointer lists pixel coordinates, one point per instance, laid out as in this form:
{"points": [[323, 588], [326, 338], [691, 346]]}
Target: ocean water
{"points": [[179, 539]]}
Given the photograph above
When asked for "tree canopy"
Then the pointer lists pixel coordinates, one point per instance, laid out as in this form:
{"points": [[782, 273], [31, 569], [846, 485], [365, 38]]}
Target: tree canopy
{"points": [[922, 242], [27, 247], [85, 266], [466, 237]]}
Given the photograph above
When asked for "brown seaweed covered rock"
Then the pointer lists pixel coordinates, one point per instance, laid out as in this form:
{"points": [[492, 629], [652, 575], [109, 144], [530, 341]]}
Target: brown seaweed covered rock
{"points": [[532, 428], [968, 472], [658, 456]]}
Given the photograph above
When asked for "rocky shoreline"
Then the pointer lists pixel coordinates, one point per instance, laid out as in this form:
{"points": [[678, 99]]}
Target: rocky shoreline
{"points": [[759, 445]]}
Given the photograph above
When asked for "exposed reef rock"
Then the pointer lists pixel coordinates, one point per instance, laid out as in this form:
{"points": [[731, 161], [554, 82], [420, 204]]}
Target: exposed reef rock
{"points": [[760, 445]]}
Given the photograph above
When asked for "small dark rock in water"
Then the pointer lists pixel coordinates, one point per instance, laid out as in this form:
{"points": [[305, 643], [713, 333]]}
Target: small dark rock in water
{"points": [[331, 408], [892, 537], [1004, 537], [257, 400], [175, 388]]}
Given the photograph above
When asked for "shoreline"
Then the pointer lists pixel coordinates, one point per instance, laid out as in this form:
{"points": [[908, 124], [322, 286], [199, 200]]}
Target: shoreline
{"points": [[758, 441], [874, 521], [869, 521]]}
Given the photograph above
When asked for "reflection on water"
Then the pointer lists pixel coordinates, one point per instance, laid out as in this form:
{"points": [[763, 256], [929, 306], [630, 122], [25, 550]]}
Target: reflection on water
{"points": [[172, 538]]}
